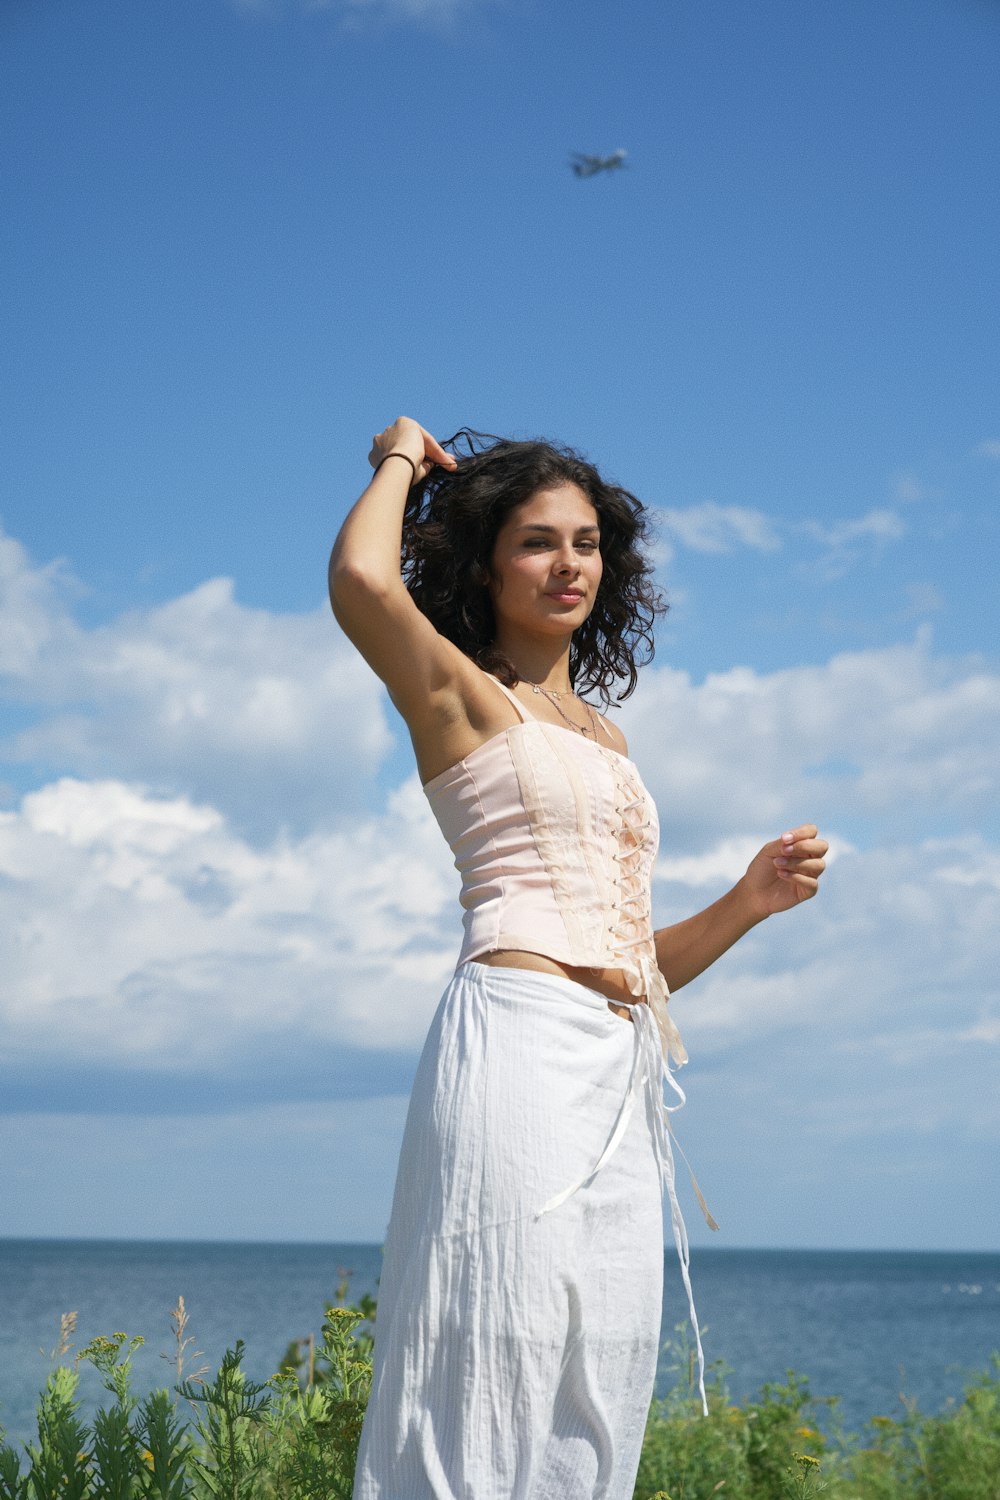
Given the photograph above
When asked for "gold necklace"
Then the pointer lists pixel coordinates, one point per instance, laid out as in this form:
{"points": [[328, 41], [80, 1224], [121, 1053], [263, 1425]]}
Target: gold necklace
{"points": [[554, 697]]}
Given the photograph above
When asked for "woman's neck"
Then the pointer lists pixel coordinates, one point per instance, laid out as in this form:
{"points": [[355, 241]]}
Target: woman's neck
{"points": [[544, 664]]}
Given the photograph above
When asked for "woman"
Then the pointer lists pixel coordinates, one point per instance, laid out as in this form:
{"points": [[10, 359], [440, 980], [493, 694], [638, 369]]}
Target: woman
{"points": [[519, 1305]]}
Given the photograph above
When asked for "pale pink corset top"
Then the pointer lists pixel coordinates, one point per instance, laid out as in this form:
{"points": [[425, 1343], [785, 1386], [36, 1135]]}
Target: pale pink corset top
{"points": [[555, 838]]}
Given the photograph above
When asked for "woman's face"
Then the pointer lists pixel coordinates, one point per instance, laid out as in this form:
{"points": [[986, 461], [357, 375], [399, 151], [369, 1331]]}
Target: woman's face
{"points": [[546, 565]]}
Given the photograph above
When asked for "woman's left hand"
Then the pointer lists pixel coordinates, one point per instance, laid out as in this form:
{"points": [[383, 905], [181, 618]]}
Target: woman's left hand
{"points": [[787, 870]]}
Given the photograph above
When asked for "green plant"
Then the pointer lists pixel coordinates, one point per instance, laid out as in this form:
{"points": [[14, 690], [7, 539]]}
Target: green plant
{"points": [[231, 1424], [802, 1478], [318, 1428], [953, 1456], [289, 1440], [766, 1449], [13, 1484], [780, 1419], [165, 1450], [685, 1455], [60, 1461], [248, 1441], [300, 1356]]}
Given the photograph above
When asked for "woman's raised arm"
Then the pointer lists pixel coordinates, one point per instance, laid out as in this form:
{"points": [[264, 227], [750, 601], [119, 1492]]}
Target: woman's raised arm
{"points": [[367, 593]]}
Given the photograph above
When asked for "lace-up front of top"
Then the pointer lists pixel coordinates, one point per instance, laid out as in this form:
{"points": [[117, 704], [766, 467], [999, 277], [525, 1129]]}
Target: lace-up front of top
{"points": [[555, 838]]}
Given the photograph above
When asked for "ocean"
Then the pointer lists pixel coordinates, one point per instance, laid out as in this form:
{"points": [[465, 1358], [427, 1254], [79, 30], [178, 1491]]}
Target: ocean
{"points": [[867, 1326]]}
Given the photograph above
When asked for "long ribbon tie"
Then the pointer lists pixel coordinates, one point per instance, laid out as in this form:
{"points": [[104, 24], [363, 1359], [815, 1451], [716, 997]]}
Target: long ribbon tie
{"points": [[650, 1067]]}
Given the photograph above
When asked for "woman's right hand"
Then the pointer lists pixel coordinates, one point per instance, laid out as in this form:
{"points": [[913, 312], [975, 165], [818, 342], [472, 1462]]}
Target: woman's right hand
{"points": [[407, 436]]}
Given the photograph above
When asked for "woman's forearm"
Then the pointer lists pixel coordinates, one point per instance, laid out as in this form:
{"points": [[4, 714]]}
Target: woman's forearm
{"points": [[782, 875], [367, 547], [686, 949], [366, 554]]}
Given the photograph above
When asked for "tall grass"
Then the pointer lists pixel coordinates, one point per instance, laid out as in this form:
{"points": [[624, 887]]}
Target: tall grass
{"points": [[295, 1436]]}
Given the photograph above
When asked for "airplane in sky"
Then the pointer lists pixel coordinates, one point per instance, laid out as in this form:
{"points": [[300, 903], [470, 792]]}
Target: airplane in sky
{"points": [[587, 166]]}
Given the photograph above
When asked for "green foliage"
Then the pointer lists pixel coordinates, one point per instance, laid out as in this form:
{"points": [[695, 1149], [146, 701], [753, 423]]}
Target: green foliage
{"points": [[961, 1454], [115, 1455], [60, 1461], [749, 1451], [233, 1456], [300, 1356], [164, 1450], [784, 1446], [115, 1369], [802, 1481], [954, 1456], [318, 1427], [297, 1439], [13, 1484]]}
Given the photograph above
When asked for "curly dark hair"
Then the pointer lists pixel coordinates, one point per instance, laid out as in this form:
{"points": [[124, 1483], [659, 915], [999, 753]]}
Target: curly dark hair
{"points": [[450, 528]]}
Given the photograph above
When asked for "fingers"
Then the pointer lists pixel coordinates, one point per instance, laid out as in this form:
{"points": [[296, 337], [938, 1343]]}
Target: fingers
{"points": [[796, 860], [804, 841], [805, 831], [809, 870], [434, 451], [399, 436], [788, 848], [808, 858], [809, 863], [804, 886], [800, 858]]}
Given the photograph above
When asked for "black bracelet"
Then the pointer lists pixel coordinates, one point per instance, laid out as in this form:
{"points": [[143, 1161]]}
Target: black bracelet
{"points": [[409, 460]]}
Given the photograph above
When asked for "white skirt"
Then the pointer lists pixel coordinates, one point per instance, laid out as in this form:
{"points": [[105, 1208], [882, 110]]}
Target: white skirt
{"points": [[519, 1306]]}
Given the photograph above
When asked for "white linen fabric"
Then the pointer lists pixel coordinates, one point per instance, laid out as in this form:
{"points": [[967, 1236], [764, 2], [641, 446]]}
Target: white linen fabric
{"points": [[519, 1306]]}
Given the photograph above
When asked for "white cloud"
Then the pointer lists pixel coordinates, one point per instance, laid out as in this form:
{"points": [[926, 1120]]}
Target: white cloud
{"points": [[909, 489], [974, 866], [850, 1048], [891, 954], [724, 863], [144, 930], [990, 448], [710, 527], [415, 10], [898, 737], [266, 715], [33, 611], [922, 599], [876, 526], [429, 11]]}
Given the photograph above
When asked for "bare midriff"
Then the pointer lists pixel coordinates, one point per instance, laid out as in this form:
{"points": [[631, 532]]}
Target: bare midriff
{"points": [[608, 982]]}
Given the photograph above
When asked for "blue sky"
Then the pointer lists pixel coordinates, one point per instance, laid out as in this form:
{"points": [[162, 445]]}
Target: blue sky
{"points": [[240, 237]]}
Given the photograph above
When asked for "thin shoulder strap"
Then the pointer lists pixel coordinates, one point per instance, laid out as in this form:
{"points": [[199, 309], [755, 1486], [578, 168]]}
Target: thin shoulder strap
{"points": [[522, 712], [604, 726]]}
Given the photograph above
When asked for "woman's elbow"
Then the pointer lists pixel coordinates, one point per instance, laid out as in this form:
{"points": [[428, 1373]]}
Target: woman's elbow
{"points": [[354, 586]]}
